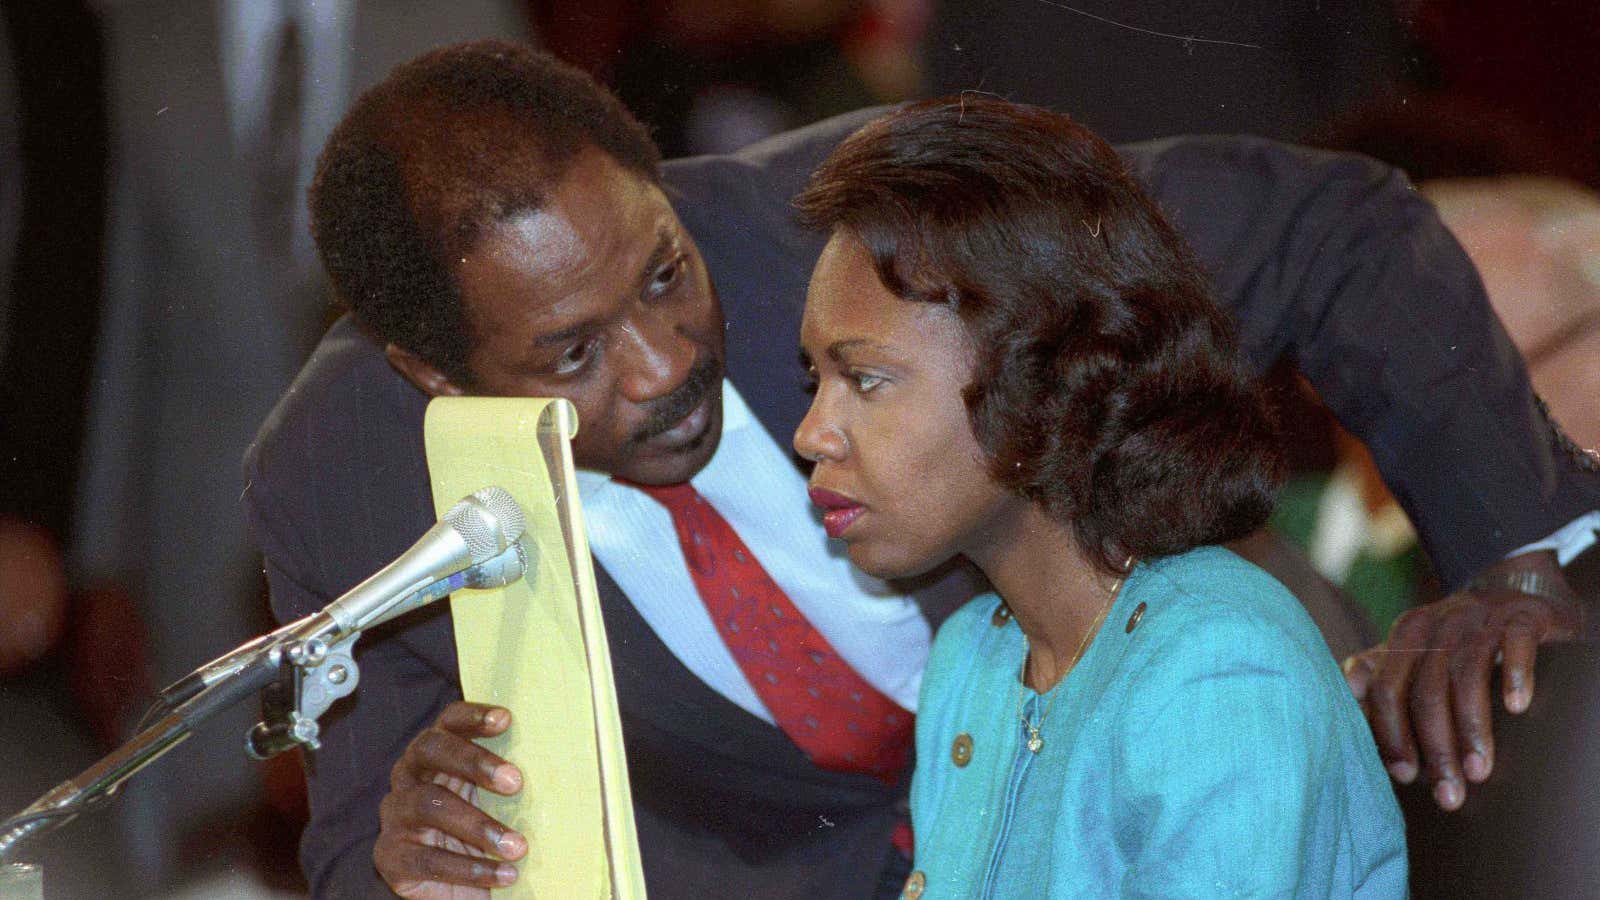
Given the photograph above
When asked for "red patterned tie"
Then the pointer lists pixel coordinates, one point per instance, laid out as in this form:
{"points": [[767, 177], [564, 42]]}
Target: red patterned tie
{"points": [[839, 720]]}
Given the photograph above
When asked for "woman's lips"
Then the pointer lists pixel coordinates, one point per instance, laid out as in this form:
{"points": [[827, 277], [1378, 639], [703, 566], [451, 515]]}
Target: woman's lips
{"points": [[836, 521], [839, 511]]}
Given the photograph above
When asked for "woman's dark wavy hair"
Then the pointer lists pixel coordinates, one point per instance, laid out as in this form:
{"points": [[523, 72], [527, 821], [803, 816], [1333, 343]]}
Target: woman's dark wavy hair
{"points": [[449, 143], [1107, 387]]}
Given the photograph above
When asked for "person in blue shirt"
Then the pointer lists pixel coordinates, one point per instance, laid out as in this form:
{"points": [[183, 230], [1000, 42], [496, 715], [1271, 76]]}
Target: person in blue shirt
{"points": [[1018, 361]]}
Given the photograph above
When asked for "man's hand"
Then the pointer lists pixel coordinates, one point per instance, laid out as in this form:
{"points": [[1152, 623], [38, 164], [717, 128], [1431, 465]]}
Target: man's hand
{"points": [[434, 844], [1429, 684]]}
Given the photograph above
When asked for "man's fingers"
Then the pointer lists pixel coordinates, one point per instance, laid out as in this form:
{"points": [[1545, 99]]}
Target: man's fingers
{"points": [[1470, 674], [1388, 690], [1429, 686], [474, 719], [423, 814], [1391, 723], [1520, 649], [414, 870], [431, 834], [1359, 671], [438, 751], [1434, 727]]}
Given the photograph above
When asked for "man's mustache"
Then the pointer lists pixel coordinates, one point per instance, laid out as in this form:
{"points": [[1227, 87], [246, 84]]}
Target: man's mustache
{"points": [[704, 378]]}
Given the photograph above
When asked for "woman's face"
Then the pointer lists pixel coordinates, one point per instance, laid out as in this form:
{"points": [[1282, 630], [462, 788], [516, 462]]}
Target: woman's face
{"points": [[899, 475]]}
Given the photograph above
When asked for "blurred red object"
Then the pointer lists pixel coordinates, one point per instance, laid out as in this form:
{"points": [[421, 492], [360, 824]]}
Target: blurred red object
{"points": [[33, 594], [1537, 59], [108, 662]]}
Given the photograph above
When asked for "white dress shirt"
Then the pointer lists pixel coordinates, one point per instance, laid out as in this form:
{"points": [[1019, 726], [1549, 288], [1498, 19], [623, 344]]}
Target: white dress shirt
{"points": [[1569, 540], [751, 481]]}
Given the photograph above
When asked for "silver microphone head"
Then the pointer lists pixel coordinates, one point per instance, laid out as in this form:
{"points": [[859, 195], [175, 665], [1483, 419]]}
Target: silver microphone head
{"points": [[489, 521], [502, 570]]}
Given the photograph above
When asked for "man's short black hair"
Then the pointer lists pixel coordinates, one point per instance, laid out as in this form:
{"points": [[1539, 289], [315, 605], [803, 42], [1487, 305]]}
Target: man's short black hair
{"points": [[450, 143]]}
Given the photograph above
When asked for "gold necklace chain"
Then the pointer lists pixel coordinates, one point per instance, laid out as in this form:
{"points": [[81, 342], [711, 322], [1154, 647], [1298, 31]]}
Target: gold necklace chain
{"points": [[1035, 743]]}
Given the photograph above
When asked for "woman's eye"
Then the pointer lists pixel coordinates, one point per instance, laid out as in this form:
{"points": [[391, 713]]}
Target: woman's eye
{"points": [[574, 359]]}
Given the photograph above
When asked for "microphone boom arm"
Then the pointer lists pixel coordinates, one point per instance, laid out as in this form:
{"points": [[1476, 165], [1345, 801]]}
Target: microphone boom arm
{"points": [[63, 802], [295, 663], [300, 670]]}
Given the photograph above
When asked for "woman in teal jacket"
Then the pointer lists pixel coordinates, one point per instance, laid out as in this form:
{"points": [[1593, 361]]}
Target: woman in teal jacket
{"points": [[1018, 362]]}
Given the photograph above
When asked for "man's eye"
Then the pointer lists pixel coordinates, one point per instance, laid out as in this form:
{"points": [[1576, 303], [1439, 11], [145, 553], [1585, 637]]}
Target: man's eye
{"points": [[574, 359], [667, 276]]}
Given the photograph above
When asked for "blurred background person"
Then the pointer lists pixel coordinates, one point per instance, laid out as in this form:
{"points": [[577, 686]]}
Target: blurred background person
{"points": [[1137, 69], [711, 76], [1536, 242], [212, 295], [67, 661]]}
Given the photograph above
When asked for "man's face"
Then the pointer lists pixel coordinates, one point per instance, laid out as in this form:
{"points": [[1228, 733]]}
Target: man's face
{"points": [[601, 297]]}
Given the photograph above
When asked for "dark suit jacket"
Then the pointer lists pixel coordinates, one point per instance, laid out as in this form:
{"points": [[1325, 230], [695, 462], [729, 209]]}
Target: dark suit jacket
{"points": [[1330, 259]]}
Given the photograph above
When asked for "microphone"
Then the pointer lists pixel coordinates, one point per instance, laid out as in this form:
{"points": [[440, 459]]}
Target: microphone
{"points": [[497, 571], [476, 543], [476, 530]]}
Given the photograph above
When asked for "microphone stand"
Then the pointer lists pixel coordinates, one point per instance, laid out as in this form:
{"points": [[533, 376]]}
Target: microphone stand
{"points": [[299, 675], [299, 670]]}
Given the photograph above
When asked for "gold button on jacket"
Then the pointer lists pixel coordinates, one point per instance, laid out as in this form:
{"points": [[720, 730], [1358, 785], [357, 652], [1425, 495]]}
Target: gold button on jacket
{"points": [[1133, 620], [961, 750], [915, 885]]}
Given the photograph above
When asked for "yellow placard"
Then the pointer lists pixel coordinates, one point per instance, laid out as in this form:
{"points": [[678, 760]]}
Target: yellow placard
{"points": [[538, 647]]}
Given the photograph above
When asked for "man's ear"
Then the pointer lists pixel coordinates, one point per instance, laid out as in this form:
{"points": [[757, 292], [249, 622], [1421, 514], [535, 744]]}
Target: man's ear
{"points": [[421, 373]]}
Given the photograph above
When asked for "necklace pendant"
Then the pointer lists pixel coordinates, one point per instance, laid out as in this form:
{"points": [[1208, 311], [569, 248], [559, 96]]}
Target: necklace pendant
{"points": [[1035, 743]]}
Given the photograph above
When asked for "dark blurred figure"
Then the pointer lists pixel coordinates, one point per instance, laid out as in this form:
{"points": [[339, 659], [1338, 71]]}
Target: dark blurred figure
{"points": [[1523, 75], [63, 684], [55, 199], [212, 296], [1531, 64], [1135, 69], [709, 76]]}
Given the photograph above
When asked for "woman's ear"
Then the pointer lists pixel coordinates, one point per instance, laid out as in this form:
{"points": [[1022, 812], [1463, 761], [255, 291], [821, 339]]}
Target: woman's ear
{"points": [[421, 373]]}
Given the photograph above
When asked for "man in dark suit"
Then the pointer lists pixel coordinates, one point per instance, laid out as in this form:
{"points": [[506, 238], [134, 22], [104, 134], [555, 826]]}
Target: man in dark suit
{"points": [[500, 226]]}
